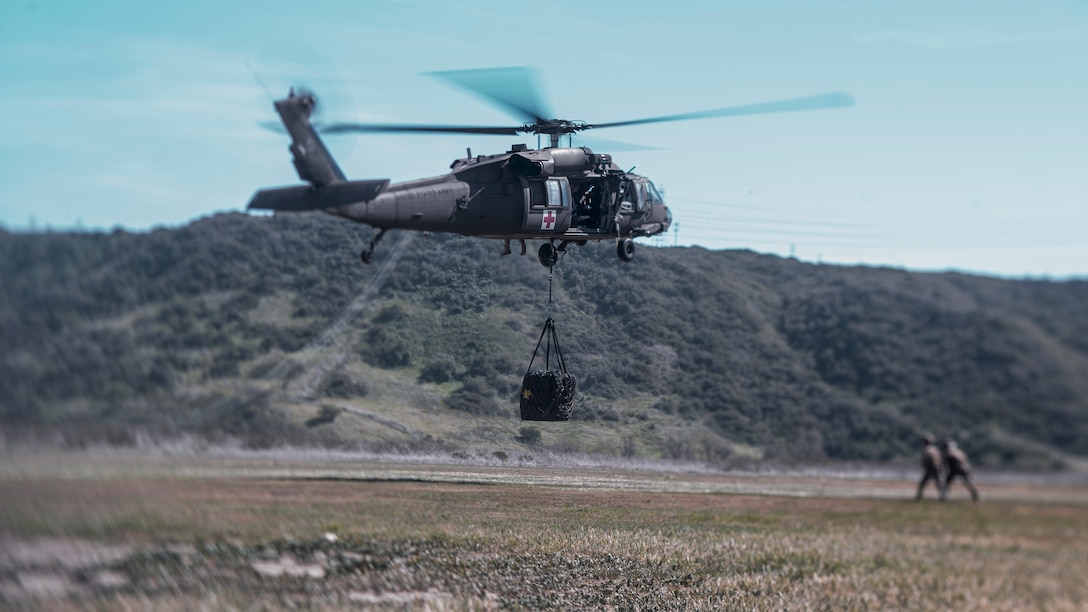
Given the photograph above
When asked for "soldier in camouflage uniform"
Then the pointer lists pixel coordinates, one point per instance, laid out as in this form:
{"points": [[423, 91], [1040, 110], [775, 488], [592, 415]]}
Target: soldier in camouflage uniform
{"points": [[956, 464], [932, 465]]}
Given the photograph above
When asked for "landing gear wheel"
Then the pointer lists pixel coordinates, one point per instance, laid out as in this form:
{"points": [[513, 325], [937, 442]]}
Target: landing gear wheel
{"points": [[625, 248], [548, 255], [366, 255]]}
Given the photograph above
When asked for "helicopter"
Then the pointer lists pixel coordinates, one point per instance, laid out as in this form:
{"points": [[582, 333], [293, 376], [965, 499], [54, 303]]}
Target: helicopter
{"points": [[561, 195]]}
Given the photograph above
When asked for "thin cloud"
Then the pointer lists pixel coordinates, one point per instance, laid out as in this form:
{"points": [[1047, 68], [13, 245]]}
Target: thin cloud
{"points": [[136, 179], [969, 38]]}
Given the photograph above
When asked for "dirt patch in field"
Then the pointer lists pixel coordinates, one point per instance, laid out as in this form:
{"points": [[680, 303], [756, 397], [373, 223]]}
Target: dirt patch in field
{"points": [[37, 568]]}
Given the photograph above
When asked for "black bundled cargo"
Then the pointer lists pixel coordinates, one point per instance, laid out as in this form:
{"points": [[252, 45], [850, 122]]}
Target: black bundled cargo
{"points": [[548, 394]]}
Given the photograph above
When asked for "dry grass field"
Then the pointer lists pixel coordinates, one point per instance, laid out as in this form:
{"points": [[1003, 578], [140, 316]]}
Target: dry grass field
{"points": [[151, 531]]}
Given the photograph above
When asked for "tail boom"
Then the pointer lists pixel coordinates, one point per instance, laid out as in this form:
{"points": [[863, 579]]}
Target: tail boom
{"points": [[304, 197]]}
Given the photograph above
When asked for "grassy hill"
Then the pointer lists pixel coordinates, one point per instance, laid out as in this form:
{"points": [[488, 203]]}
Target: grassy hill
{"points": [[215, 328]]}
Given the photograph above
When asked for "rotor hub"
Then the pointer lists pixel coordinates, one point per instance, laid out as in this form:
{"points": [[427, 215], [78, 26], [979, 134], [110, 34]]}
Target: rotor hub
{"points": [[561, 127]]}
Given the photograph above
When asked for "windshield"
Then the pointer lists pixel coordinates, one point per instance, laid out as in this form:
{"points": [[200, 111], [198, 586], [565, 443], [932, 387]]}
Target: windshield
{"points": [[652, 195]]}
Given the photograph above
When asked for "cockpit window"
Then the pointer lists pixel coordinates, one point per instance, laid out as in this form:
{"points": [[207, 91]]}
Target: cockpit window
{"points": [[653, 195], [633, 194]]}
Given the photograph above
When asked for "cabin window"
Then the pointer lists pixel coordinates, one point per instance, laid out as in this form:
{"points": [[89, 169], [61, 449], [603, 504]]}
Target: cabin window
{"points": [[553, 193], [558, 193]]}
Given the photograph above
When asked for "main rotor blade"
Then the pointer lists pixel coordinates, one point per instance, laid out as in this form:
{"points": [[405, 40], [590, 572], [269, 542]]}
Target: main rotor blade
{"points": [[831, 100], [513, 89], [277, 126], [603, 144], [373, 128]]}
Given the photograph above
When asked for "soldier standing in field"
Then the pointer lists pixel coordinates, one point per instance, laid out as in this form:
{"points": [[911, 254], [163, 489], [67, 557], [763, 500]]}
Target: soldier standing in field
{"points": [[932, 464], [956, 464]]}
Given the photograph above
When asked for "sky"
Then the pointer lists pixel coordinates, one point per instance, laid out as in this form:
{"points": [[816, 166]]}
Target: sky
{"points": [[967, 149]]}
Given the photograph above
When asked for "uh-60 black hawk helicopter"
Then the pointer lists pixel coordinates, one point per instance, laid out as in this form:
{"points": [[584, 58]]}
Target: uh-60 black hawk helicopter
{"points": [[562, 195]]}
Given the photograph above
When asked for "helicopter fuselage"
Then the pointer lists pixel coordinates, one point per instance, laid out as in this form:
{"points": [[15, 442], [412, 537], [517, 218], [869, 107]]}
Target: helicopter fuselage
{"points": [[569, 194], [559, 195]]}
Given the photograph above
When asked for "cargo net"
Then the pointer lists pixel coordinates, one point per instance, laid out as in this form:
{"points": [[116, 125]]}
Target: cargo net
{"points": [[548, 394]]}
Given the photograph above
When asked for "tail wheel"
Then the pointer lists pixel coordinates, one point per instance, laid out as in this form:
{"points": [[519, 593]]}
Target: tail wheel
{"points": [[547, 255], [625, 248]]}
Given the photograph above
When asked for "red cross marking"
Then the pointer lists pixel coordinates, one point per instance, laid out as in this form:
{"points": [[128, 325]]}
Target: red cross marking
{"points": [[549, 220]]}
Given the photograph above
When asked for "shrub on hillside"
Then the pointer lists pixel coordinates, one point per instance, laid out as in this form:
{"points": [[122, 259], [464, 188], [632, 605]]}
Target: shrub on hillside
{"points": [[340, 383], [386, 349], [440, 368], [530, 434], [475, 397]]}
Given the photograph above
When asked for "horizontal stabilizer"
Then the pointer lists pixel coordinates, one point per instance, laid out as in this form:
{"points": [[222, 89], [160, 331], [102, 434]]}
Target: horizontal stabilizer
{"points": [[305, 197]]}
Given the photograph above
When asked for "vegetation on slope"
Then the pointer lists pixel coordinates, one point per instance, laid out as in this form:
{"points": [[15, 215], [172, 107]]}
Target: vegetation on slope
{"points": [[797, 360]]}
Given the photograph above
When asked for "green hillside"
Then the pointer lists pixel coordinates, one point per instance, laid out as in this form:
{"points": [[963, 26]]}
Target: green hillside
{"points": [[683, 353]]}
